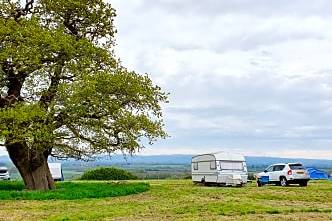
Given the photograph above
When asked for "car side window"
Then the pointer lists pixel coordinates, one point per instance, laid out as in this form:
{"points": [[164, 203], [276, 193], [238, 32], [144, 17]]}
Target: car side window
{"points": [[269, 169], [278, 167]]}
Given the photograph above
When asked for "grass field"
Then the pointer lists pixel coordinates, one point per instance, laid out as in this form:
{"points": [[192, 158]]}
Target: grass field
{"points": [[181, 200], [14, 190]]}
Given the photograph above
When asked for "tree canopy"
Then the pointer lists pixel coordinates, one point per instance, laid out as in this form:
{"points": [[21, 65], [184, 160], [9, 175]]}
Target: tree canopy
{"points": [[63, 92]]}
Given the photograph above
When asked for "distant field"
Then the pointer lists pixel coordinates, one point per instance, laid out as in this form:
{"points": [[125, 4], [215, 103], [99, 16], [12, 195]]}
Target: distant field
{"points": [[143, 171], [181, 200]]}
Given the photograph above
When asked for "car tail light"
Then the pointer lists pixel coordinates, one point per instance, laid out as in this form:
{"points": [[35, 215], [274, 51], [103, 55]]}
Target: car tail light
{"points": [[290, 172]]}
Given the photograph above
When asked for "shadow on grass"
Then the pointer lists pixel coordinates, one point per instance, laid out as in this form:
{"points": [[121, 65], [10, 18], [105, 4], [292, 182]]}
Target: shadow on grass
{"points": [[14, 190]]}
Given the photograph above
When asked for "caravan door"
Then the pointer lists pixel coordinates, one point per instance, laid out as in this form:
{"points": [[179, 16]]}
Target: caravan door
{"points": [[208, 171]]}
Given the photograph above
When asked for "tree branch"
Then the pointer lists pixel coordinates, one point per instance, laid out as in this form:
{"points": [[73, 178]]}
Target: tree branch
{"points": [[24, 11], [14, 84], [49, 95], [70, 25], [73, 152], [80, 136]]}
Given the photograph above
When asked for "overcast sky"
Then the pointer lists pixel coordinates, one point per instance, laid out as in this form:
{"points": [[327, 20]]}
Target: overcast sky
{"points": [[250, 76]]}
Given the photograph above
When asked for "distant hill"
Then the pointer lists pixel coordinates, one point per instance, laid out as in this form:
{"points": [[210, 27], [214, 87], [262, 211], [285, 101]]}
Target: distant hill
{"points": [[4, 160], [186, 159], [265, 161], [252, 161]]}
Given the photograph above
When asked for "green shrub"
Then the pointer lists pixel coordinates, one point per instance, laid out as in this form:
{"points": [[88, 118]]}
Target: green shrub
{"points": [[251, 176], [188, 177], [108, 173]]}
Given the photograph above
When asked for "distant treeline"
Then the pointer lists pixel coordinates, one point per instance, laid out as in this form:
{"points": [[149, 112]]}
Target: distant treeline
{"points": [[147, 167]]}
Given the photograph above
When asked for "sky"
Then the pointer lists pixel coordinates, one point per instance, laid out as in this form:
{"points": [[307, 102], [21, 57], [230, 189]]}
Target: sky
{"points": [[249, 76], [253, 77]]}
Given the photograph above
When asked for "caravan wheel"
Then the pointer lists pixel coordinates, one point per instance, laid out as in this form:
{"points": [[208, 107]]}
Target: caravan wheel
{"points": [[203, 181]]}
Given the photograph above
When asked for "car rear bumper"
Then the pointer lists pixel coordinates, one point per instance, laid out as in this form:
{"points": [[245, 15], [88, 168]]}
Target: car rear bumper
{"points": [[298, 177], [5, 178], [297, 181]]}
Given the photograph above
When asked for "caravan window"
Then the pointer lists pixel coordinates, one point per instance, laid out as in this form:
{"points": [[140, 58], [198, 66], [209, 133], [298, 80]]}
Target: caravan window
{"points": [[231, 165], [213, 165], [195, 166]]}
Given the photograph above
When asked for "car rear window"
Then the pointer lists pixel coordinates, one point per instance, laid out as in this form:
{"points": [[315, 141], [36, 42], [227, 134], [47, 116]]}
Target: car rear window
{"points": [[296, 166]]}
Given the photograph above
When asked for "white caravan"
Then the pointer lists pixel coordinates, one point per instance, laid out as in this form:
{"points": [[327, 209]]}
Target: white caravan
{"points": [[222, 168], [56, 171]]}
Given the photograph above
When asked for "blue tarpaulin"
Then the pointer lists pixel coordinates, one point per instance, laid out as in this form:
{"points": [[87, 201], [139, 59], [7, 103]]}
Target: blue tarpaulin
{"points": [[264, 179], [316, 174]]}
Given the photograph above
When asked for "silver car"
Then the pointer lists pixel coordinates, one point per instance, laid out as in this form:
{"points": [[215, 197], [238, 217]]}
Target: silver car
{"points": [[4, 173], [284, 174]]}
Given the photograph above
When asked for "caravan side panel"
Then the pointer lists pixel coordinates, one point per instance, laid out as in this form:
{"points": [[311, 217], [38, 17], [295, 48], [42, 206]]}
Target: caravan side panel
{"points": [[204, 168], [222, 168], [56, 171]]}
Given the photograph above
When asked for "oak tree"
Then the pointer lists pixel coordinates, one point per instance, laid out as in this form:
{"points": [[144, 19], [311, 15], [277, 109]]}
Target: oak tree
{"points": [[63, 92]]}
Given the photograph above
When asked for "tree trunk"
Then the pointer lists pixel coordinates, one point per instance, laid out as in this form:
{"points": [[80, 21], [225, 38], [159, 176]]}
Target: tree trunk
{"points": [[32, 166]]}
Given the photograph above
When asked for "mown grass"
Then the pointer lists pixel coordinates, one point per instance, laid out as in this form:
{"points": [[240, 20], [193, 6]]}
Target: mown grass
{"points": [[181, 200], [14, 190]]}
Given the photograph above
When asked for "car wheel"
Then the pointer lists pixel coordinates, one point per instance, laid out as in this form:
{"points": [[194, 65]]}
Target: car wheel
{"points": [[259, 184], [283, 181]]}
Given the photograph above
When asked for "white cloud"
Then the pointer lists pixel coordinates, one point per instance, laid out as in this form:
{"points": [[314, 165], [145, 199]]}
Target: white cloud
{"points": [[251, 75], [241, 73]]}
